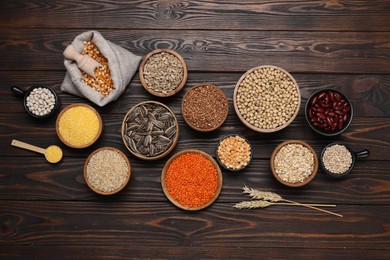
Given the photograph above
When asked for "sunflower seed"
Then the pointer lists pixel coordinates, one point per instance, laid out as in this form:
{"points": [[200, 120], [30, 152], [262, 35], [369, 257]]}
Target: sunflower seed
{"points": [[150, 129]]}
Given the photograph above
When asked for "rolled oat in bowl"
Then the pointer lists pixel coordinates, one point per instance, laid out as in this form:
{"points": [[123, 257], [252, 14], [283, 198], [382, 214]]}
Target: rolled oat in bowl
{"points": [[294, 163]]}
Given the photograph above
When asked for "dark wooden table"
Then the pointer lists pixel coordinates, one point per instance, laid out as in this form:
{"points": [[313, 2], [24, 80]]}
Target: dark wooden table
{"points": [[48, 212]]}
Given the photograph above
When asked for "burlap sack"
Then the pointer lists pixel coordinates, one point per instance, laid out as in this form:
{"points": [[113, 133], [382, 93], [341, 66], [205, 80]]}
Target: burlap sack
{"points": [[123, 65]]}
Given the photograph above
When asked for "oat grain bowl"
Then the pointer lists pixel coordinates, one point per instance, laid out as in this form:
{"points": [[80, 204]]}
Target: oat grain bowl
{"points": [[266, 99], [107, 171], [163, 72], [294, 163], [204, 107], [150, 130]]}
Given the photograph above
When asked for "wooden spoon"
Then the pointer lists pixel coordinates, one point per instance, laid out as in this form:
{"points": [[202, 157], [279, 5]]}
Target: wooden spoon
{"points": [[53, 153]]}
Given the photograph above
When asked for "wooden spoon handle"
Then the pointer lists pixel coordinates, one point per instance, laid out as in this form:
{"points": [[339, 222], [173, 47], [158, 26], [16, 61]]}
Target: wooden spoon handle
{"points": [[27, 146]]}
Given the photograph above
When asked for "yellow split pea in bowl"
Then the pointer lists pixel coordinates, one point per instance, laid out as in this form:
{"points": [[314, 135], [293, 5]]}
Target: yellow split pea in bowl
{"points": [[79, 125]]}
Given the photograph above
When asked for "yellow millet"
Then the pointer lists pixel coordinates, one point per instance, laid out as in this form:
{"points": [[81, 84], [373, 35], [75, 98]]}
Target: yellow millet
{"points": [[78, 126], [53, 154]]}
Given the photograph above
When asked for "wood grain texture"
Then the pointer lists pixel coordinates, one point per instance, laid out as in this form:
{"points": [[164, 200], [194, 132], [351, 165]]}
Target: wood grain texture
{"points": [[214, 15], [348, 52], [178, 252], [161, 224], [31, 178]]}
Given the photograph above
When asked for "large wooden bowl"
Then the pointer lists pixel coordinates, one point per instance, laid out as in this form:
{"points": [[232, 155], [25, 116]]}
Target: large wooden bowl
{"points": [[152, 91], [123, 184], [165, 189], [140, 155], [94, 139], [246, 123], [307, 180]]}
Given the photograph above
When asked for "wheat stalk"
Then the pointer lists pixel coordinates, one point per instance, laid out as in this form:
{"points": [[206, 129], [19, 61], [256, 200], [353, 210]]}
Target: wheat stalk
{"points": [[273, 197], [253, 204]]}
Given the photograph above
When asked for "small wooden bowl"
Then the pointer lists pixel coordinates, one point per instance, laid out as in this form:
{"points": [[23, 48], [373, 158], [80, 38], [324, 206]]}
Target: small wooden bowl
{"points": [[165, 189], [140, 155], [204, 130], [246, 123], [307, 180], [123, 184], [77, 105], [152, 91]]}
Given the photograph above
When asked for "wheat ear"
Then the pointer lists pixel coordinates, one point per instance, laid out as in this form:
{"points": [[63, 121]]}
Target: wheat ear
{"points": [[273, 197]]}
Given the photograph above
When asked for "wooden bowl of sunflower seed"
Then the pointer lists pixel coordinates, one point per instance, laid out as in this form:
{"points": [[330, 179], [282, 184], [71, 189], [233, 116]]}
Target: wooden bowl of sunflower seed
{"points": [[150, 130], [163, 72]]}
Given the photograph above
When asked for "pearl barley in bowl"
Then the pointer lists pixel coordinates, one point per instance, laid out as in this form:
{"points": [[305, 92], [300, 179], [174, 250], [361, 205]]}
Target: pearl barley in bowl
{"points": [[266, 99]]}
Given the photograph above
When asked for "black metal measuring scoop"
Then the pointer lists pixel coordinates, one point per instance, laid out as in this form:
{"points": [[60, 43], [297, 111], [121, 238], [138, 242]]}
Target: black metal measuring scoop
{"points": [[355, 156], [24, 94]]}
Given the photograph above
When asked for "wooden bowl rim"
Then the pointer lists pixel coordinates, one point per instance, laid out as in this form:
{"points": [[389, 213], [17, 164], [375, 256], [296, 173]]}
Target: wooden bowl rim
{"points": [[76, 105], [208, 129], [128, 166], [174, 141], [165, 169], [260, 130], [315, 167], [170, 93]]}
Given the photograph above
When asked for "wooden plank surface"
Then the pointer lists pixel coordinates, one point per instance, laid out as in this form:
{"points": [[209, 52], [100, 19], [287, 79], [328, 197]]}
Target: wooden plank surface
{"points": [[216, 15], [48, 212], [207, 50]]}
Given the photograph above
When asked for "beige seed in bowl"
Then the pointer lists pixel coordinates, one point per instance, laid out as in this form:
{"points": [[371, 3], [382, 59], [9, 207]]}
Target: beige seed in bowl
{"points": [[107, 170], [266, 98]]}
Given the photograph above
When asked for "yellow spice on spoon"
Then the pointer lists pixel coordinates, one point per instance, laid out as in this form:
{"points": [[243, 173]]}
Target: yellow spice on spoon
{"points": [[79, 126], [53, 154]]}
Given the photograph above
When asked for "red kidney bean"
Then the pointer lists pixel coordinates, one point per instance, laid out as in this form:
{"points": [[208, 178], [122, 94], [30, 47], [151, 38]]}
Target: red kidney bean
{"points": [[326, 100], [328, 111], [340, 124], [337, 97], [310, 112], [331, 96], [314, 101], [320, 115], [322, 95]]}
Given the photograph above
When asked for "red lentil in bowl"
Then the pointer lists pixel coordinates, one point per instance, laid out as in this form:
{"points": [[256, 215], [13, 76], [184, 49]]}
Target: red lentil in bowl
{"points": [[204, 107], [191, 180]]}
